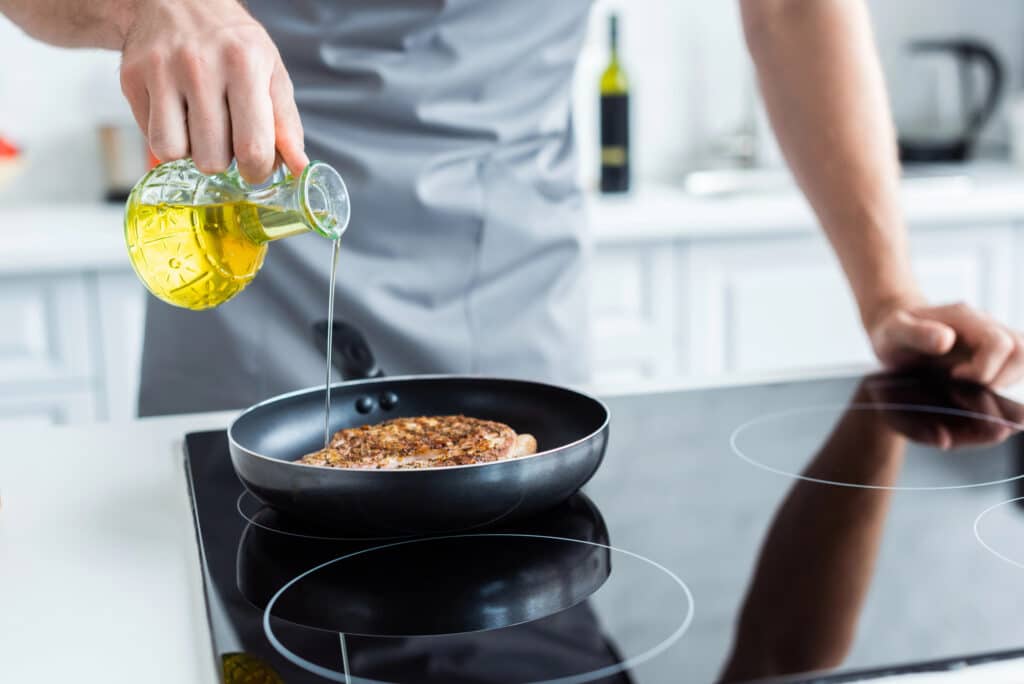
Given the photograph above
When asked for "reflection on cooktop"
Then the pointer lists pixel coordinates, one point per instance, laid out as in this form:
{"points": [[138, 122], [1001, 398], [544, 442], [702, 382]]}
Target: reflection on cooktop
{"points": [[1000, 529], [436, 595], [431, 586], [513, 604], [886, 438], [784, 577], [817, 561], [263, 517]]}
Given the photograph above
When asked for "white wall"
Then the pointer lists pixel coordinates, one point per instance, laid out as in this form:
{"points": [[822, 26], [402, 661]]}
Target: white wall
{"points": [[50, 103], [686, 60]]}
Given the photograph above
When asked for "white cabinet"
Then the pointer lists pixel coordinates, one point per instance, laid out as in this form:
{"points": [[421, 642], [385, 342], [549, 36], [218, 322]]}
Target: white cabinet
{"points": [[48, 349], [766, 304], [632, 301], [122, 302], [69, 346], [44, 330], [691, 308]]}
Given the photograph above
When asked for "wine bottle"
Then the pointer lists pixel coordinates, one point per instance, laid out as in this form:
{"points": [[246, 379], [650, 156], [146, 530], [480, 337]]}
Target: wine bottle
{"points": [[614, 118]]}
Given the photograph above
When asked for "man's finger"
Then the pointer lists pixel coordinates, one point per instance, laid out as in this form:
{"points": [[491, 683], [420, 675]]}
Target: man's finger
{"points": [[168, 131], [134, 88], [921, 335], [252, 113], [1013, 370], [209, 129], [988, 356], [252, 128], [287, 124]]}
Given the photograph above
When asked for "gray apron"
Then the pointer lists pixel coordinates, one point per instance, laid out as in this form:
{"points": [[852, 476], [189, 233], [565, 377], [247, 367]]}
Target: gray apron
{"points": [[450, 122]]}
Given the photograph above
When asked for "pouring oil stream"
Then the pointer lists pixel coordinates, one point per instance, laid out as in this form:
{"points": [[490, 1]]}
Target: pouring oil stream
{"points": [[330, 343]]}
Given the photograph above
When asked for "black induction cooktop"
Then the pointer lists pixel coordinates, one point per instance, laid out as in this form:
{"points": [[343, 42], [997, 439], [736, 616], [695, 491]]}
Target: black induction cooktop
{"points": [[816, 531]]}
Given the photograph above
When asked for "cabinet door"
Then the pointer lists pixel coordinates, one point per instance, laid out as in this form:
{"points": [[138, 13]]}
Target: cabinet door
{"points": [[46, 336], [122, 304], [783, 303], [631, 313]]}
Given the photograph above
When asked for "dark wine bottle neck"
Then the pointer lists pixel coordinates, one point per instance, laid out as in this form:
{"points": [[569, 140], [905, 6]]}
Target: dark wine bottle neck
{"points": [[613, 34]]}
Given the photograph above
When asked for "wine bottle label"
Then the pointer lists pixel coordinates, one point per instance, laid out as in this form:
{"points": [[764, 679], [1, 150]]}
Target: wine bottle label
{"points": [[614, 155], [614, 143]]}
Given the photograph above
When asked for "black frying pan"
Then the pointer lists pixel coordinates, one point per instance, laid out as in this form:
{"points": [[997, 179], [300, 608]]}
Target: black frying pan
{"points": [[571, 429]]}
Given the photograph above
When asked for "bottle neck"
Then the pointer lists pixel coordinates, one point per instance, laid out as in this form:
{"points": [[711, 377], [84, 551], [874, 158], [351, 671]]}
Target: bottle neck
{"points": [[613, 37], [316, 201], [275, 212]]}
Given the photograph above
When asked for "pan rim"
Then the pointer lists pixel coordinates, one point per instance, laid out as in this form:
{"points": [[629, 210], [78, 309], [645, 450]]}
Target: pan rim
{"points": [[434, 376]]}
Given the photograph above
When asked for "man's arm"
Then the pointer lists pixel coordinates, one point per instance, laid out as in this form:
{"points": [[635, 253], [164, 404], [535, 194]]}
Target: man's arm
{"points": [[75, 23], [823, 88], [202, 77]]}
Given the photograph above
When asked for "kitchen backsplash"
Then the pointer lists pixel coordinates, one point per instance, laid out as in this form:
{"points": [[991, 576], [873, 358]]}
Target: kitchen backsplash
{"points": [[686, 60]]}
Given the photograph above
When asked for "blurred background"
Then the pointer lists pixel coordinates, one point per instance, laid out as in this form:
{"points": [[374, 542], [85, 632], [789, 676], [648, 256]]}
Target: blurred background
{"points": [[710, 265]]}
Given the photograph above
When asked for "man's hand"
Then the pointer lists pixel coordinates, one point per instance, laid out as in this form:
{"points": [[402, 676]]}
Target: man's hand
{"points": [[971, 345], [205, 80]]}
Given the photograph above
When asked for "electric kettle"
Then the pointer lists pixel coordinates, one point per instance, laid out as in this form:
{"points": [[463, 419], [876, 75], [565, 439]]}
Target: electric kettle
{"points": [[955, 141]]}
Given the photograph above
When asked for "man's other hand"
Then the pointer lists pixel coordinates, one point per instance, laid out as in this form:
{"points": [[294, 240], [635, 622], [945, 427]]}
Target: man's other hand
{"points": [[968, 343]]}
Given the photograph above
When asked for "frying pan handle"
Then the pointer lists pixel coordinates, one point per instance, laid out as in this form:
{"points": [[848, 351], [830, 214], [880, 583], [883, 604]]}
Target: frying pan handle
{"points": [[352, 355]]}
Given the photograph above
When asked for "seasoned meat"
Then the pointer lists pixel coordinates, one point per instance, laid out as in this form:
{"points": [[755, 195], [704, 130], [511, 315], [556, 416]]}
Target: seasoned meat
{"points": [[423, 442]]}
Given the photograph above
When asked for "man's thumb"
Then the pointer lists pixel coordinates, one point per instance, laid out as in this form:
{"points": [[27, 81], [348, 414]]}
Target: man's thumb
{"points": [[922, 335]]}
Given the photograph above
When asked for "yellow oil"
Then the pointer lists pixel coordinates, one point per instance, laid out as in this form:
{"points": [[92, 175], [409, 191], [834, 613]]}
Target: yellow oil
{"points": [[198, 257]]}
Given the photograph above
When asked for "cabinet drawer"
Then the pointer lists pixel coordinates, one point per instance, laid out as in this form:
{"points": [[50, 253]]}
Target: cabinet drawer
{"points": [[45, 329]]}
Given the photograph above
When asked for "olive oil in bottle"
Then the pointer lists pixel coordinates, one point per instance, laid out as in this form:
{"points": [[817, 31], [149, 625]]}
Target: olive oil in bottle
{"points": [[614, 118], [198, 257], [196, 241]]}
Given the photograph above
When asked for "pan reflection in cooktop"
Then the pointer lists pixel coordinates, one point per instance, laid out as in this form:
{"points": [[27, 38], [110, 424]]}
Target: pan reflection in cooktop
{"points": [[1000, 529], [393, 605], [261, 516], [887, 438], [519, 603]]}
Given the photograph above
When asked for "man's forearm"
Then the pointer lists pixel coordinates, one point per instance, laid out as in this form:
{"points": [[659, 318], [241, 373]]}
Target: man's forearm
{"points": [[73, 23], [823, 88]]}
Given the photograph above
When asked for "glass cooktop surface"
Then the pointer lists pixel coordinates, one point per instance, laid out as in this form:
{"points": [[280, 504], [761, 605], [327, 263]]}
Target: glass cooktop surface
{"points": [[815, 531]]}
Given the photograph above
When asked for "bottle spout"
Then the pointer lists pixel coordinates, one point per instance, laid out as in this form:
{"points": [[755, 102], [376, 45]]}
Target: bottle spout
{"points": [[324, 199]]}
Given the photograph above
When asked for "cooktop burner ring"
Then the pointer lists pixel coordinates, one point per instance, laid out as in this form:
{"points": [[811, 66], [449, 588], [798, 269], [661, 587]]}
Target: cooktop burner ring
{"points": [[841, 408], [988, 547], [580, 678]]}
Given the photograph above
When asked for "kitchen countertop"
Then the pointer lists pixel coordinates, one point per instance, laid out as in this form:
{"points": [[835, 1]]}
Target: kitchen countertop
{"points": [[100, 574], [84, 237], [100, 567], [89, 236], [661, 212]]}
